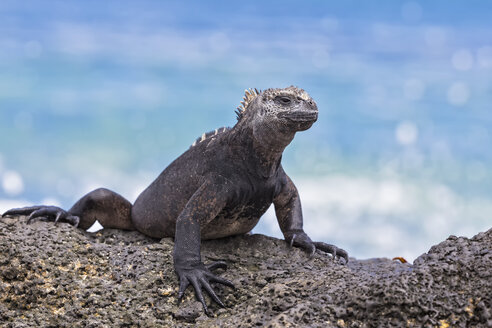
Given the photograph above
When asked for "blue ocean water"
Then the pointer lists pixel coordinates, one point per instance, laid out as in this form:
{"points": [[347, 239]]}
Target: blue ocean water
{"points": [[107, 94]]}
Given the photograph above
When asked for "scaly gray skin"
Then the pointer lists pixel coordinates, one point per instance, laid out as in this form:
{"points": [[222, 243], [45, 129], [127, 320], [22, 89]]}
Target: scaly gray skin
{"points": [[219, 187]]}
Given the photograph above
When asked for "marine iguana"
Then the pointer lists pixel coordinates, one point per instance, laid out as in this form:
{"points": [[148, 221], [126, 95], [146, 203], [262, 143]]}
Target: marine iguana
{"points": [[219, 187]]}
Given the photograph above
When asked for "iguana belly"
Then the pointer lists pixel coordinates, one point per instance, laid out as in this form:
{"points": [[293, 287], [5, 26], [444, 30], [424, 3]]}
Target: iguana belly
{"points": [[234, 221]]}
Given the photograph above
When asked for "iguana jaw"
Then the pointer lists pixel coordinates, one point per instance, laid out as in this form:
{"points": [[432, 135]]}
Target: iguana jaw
{"points": [[299, 120], [300, 116]]}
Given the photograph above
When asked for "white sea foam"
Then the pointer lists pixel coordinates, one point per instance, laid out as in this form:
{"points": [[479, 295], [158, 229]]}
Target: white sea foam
{"points": [[372, 217], [382, 215]]}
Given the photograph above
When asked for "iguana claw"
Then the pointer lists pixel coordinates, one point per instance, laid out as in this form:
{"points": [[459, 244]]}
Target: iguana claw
{"points": [[333, 250], [291, 243], [302, 240], [199, 277], [49, 212]]}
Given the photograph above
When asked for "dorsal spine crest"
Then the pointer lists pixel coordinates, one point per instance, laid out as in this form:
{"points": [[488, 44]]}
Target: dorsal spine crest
{"points": [[249, 95], [210, 134]]}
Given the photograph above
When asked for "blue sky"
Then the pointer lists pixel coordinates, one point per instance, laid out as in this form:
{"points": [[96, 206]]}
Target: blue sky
{"points": [[107, 94]]}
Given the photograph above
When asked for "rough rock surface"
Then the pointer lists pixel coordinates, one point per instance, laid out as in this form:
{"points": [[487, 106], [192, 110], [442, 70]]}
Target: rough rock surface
{"points": [[60, 276]]}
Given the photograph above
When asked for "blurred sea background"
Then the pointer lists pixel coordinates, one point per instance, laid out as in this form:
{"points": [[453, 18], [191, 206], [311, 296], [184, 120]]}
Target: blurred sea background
{"points": [[108, 93]]}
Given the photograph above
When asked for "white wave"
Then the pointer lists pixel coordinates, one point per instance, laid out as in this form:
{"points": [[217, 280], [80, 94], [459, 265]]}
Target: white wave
{"points": [[366, 215], [381, 217]]}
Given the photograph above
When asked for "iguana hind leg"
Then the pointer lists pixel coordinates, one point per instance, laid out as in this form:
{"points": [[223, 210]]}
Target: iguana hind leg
{"points": [[103, 205]]}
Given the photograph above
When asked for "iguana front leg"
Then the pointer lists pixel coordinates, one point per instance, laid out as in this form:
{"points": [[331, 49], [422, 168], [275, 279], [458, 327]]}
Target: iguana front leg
{"points": [[202, 207], [289, 216]]}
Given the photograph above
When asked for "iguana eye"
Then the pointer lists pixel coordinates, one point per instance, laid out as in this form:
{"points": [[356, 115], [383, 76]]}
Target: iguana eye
{"points": [[284, 100]]}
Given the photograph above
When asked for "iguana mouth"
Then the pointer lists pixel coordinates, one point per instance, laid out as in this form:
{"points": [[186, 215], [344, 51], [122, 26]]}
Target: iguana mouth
{"points": [[300, 116]]}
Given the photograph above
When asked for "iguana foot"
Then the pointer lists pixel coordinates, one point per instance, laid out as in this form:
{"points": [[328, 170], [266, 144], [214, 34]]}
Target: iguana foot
{"points": [[200, 276], [49, 212], [302, 240], [333, 250]]}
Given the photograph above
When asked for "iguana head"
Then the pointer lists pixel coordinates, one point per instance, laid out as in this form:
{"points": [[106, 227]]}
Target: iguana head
{"points": [[290, 107], [277, 113]]}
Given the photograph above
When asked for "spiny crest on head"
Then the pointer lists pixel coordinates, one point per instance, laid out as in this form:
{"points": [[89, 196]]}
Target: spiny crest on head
{"points": [[270, 94], [249, 95]]}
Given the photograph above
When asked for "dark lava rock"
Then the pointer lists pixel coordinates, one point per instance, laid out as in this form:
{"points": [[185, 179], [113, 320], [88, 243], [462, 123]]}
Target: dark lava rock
{"points": [[60, 276]]}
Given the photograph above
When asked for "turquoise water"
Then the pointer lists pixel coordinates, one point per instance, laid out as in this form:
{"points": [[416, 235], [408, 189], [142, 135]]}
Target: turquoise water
{"points": [[109, 94]]}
